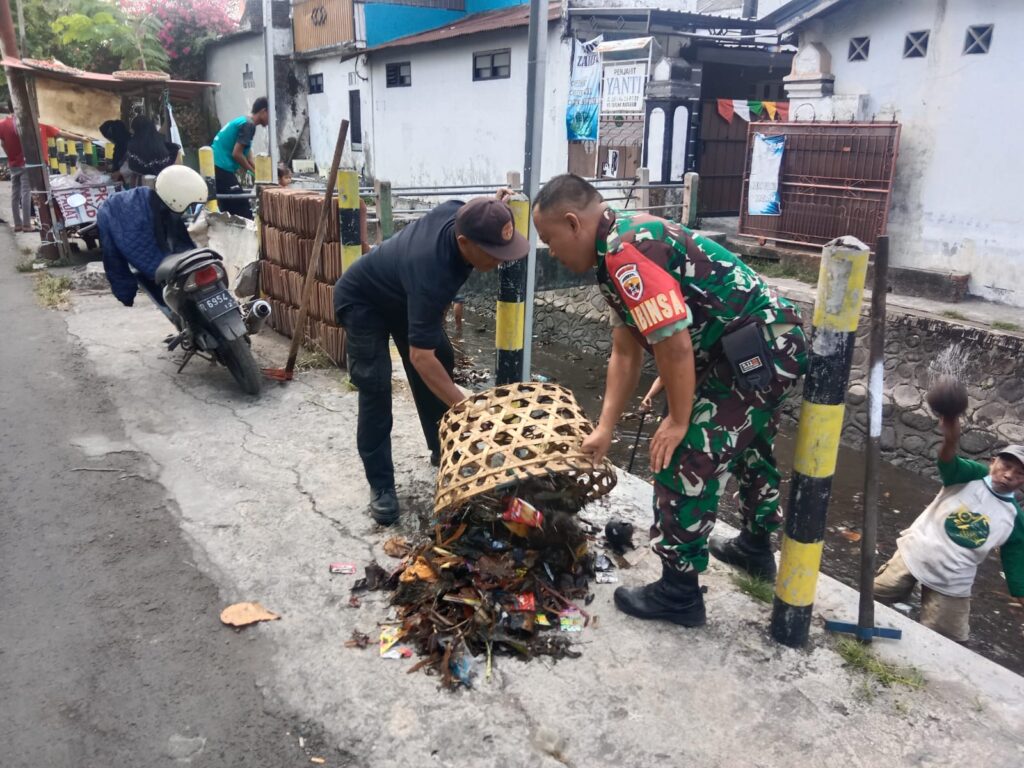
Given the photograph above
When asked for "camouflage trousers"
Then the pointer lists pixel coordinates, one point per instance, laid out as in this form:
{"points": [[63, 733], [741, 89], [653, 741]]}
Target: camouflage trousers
{"points": [[732, 431]]}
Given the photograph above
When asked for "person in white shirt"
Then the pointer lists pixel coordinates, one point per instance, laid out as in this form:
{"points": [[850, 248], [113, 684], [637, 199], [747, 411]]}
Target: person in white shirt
{"points": [[975, 512]]}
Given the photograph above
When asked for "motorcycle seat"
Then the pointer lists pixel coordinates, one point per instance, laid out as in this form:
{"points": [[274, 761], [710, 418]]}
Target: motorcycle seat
{"points": [[177, 262]]}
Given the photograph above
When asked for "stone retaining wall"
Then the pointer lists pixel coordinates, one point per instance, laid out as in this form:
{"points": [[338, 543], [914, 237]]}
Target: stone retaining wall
{"points": [[910, 436]]}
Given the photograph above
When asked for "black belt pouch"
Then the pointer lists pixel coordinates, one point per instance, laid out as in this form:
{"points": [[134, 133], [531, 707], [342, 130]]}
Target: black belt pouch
{"points": [[749, 357]]}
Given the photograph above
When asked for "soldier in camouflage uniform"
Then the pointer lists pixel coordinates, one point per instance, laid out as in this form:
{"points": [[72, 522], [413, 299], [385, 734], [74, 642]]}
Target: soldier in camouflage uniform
{"points": [[676, 294]]}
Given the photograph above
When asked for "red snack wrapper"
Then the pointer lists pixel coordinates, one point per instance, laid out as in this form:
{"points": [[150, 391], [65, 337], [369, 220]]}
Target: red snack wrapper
{"points": [[525, 602], [518, 511]]}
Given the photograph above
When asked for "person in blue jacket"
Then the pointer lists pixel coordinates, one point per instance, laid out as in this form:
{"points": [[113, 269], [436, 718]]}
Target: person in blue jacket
{"points": [[140, 227]]}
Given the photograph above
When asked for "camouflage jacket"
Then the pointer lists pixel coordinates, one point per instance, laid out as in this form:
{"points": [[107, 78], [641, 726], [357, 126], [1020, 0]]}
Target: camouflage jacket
{"points": [[661, 278]]}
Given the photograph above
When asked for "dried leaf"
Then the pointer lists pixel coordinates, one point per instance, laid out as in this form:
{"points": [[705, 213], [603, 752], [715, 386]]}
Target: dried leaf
{"points": [[243, 614], [420, 570], [396, 546], [849, 535], [359, 640]]}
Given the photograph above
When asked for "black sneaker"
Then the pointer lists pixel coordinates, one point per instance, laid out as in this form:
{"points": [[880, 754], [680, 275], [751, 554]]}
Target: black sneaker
{"points": [[435, 459], [384, 507]]}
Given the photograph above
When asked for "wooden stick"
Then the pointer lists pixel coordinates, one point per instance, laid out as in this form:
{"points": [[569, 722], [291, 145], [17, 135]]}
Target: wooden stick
{"points": [[299, 332]]}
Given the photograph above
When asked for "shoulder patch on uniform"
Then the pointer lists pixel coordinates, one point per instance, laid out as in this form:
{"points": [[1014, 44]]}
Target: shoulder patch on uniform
{"points": [[629, 278]]}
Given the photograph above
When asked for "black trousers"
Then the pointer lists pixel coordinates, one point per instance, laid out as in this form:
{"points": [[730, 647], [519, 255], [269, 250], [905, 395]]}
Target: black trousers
{"points": [[227, 184], [369, 368]]}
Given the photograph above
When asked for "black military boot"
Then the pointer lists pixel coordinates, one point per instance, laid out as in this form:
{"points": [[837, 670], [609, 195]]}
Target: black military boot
{"points": [[384, 506], [751, 552], [675, 597]]}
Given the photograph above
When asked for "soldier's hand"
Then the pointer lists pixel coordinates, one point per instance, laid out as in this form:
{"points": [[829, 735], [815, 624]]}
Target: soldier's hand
{"points": [[665, 441], [597, 443]]}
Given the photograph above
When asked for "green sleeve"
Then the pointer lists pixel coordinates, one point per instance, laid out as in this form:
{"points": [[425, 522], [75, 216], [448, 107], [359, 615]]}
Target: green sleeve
{"points": [[961, 470], [1012, 553]]}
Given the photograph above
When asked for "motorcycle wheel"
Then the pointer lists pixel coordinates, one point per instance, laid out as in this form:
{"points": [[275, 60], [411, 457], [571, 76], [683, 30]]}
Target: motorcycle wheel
{"points": [[237, 357]]}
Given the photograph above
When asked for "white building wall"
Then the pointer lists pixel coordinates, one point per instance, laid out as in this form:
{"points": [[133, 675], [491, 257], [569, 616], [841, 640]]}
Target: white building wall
{"points": [[225, 64], [956, 204], [328, 109], [444, 128]]}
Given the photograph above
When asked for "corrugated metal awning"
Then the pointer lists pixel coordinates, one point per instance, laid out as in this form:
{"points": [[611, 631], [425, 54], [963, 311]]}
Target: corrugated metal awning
{"points": [[180, 90]]}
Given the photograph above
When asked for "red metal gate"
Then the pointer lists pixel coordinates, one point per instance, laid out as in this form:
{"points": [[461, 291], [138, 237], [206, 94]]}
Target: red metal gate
{"points": [[835, 180]]}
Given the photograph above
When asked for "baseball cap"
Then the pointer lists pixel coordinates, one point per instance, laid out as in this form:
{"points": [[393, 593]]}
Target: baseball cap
{"points": [[489, 223], [1017, 451]]}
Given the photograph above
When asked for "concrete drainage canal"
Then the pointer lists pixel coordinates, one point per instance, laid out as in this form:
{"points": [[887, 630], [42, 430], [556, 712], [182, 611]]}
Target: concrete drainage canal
{"points": [[995, 617]]}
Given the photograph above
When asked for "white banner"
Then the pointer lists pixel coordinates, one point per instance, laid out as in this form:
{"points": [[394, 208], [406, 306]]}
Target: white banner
{"points": [[763, 197], [623, 90], [94, 198]]}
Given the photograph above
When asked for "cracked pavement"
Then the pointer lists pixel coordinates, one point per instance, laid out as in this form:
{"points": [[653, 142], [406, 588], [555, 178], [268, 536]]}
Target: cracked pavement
{"points": [[268, 491]]}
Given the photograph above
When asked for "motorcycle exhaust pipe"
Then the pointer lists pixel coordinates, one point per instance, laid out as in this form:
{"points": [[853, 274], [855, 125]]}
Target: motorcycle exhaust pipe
{"points": [[257, 315]]}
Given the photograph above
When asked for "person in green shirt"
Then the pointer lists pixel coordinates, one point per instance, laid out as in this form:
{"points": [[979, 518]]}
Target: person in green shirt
{"points": [[975, 512], [232, 150], [685, 299]]}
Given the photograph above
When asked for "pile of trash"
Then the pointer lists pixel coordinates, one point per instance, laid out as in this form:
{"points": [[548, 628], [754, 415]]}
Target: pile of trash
{"points": [[504, 575]]}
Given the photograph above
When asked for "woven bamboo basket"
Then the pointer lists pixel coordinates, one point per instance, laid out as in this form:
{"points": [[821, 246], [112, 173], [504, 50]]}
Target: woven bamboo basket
{"points": [[507, 435]]}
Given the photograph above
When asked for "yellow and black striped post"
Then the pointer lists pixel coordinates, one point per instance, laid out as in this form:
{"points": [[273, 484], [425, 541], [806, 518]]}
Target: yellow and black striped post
{"points": [[264, 170], [510, 318], [51, 150], [108, 156], [844, 264], [62, 162], [73, 149], [87, 152], [348, 218], [206, 170]]}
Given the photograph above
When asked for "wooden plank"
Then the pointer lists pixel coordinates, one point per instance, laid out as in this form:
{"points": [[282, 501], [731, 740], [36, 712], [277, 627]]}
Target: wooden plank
{"points": [[322, 23]]}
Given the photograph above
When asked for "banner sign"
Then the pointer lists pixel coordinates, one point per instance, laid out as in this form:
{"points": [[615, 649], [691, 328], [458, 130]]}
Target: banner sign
{"points": [[584, 91], [624, 85], [94, 198], [763, 196]]}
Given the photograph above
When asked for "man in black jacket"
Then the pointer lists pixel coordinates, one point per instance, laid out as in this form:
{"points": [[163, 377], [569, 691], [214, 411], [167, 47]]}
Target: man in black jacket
{"points": [[401, 290]]}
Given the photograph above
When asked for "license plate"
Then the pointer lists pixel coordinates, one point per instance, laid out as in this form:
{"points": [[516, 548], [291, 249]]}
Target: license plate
{"points": [[216, 304]]}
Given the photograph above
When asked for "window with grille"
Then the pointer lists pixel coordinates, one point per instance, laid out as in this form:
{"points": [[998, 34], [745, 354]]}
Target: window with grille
{"points": [[492, 65], [915, 45], [399, 74], [316, 83], [979, 39], [859, 47]]}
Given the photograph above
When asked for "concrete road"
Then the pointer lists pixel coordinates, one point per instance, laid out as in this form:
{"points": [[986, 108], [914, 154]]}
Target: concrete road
{"points": [[246, 499], [111, 652]]}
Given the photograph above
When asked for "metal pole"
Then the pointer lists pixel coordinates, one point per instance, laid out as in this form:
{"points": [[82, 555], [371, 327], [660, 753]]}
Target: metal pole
{"points": [[268, 52], [844, 264], [866, 616], [22, 40], [385, 212], [536, 66]]}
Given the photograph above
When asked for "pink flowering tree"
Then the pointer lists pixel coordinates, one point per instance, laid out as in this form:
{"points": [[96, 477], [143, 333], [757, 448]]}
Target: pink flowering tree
{"points": [[184, 27]]}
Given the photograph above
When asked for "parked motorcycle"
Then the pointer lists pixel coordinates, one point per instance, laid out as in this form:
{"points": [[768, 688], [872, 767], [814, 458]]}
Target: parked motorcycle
{"points": [[211, 322]]}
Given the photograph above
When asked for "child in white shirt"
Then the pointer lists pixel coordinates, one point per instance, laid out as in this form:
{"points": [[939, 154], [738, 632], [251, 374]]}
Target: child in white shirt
{"points": [[975, 512]]}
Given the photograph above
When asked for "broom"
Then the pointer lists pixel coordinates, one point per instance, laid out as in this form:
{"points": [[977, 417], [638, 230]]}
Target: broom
{"points": [[299, 331]]}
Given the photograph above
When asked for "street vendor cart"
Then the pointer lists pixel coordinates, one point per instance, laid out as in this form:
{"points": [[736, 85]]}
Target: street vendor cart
{"points": [[79, 171]]}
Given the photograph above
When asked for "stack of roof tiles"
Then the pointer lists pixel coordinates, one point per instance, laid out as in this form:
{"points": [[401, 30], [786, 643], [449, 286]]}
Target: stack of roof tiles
{"points": [[289, 220]]}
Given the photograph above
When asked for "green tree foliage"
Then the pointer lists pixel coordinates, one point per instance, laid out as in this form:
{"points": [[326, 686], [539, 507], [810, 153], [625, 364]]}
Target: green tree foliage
{"points": [[97, 28]]}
